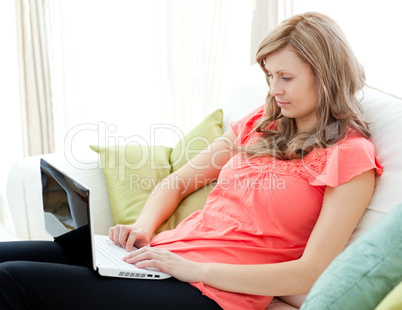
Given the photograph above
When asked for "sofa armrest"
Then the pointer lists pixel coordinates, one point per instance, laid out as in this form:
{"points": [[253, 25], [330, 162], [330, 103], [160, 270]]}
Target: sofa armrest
{"points": [[6, 235], [24, 199], [24, 192]]}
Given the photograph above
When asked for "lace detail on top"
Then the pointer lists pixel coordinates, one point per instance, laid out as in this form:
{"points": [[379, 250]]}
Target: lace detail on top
{"points": [[309, 166]]}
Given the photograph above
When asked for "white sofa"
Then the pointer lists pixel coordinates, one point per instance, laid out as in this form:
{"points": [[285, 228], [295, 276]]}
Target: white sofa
{"points": [[383, 111]]}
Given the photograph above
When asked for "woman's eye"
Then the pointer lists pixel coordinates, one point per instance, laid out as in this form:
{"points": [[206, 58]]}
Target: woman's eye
{"points": [[285, 78]]}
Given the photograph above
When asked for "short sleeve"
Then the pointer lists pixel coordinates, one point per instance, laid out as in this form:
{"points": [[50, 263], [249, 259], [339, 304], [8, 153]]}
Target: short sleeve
{"points": [[243, 127], [352, 157]]}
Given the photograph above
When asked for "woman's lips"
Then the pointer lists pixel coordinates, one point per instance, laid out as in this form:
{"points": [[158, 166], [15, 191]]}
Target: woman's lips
{"points": [[282, 104]]}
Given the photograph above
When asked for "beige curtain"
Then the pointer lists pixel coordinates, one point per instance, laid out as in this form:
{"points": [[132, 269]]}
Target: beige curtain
{"points": [[10, 118], [154, 62], [267, 14], [194, 36], [33, 20]]}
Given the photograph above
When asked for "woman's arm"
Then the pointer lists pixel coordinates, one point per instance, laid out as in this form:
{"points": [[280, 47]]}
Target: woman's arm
{"points": [[342, 208], [166, 196]]}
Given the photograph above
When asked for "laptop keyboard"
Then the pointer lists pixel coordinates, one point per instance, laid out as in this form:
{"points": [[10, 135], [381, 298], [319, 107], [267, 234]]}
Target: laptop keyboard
{"points": [[110, 254]]}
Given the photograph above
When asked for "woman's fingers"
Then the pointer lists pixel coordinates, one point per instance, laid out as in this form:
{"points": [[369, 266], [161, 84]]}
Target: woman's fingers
{"points": [[148, 257], [138, 238], [127, 236], [114, 233], [150, 264], [165, 261], [140, 255]]}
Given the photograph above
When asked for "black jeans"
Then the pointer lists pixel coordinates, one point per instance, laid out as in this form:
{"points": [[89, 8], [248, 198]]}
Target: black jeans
{"points": [[57, 275]]}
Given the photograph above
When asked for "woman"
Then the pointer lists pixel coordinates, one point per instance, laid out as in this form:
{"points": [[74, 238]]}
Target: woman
{"points": [[295, 176]]}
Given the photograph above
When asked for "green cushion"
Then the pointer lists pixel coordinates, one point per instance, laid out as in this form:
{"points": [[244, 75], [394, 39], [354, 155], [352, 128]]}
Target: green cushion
{"points": [[190, 204], [197, 139], [131, 172], [393, 301], [365, 272]]}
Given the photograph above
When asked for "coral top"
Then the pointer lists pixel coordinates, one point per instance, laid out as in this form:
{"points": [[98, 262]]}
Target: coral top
{"points": [[263, 210]]}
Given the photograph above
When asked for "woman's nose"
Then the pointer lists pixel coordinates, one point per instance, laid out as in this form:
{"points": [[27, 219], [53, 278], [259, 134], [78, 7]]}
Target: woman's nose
{"points": [[275, 88]]}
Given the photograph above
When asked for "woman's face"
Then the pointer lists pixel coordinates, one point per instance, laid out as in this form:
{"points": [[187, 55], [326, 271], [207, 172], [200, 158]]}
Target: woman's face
{"points": [[293, 84]]}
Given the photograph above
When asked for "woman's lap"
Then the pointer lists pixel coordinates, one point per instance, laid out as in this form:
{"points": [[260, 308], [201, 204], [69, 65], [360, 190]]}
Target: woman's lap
{"points": [[37, 285], [50, 275], [37, 251]]}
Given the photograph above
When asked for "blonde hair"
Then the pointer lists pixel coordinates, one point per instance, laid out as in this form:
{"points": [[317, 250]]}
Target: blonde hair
{"points": [[318, 41]]}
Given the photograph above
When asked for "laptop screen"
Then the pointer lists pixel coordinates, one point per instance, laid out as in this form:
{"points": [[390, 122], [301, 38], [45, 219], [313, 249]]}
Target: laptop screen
{"points": [[65, 201]]}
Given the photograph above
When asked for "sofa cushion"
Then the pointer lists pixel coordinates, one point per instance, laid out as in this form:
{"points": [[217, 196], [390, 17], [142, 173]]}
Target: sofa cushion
{"points": [[197, 139], [188, 205], [200, 137], [384, 114], [131, 172], [362, 275], [393, 301]]}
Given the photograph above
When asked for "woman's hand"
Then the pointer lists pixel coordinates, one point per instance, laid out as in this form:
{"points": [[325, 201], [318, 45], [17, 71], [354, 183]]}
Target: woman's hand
{"points": [[128, 236], [167, 262]]}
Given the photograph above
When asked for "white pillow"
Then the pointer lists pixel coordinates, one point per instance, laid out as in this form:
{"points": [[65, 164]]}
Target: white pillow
{"points": [[384, 112], [246, 95]]}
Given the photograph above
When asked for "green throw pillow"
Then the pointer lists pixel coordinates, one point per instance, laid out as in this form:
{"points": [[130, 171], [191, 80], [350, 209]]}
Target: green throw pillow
{"points": [[393, 301], [366, 271], [131, 172], [190, 204], [199, 138]]}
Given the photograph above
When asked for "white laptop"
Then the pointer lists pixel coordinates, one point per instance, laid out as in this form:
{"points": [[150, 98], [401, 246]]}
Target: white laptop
{"points": [[66, 205]]}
